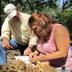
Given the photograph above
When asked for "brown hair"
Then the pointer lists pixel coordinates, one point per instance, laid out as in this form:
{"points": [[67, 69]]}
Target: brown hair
{"points": [[44, 22]]}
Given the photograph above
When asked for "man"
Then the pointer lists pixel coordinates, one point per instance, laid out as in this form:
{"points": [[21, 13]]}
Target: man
{"points": [[16, 33]]}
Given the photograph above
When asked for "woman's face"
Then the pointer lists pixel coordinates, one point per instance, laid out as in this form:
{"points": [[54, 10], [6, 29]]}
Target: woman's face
{"points": [[34, 28]]}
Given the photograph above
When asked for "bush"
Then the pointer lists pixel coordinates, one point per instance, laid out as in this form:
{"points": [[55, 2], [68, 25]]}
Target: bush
{"points": [[66, 20]]}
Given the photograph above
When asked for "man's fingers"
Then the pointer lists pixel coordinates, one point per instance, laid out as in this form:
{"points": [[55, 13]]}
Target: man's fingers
{"points": [[8, 47], [25, 53]]}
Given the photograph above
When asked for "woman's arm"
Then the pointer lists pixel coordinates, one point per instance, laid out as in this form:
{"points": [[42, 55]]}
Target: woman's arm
{"points": [[62, 41]]}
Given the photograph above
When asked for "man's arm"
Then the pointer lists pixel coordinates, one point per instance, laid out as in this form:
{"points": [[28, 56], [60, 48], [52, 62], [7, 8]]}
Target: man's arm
{"points": [[32, 44], [5, 32], [5, 43]]}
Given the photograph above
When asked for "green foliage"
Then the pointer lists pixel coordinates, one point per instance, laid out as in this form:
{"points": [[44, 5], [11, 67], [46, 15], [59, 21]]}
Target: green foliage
{"points": [[66, 4], [28, 6], [49, 11], [51, 7], [68, 10]]}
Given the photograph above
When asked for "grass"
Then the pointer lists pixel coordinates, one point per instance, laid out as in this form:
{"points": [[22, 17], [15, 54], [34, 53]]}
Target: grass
{"points": [[70, 41]]}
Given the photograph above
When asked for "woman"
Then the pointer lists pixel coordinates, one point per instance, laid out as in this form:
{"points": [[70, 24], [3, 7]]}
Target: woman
{"points": [[53, 41]]}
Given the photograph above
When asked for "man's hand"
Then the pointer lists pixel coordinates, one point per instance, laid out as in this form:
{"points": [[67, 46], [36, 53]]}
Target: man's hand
{"points": [[27, 51], [5, 43]]}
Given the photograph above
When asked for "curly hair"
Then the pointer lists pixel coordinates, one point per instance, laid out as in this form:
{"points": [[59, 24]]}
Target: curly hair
{"points": [[44, 22]]}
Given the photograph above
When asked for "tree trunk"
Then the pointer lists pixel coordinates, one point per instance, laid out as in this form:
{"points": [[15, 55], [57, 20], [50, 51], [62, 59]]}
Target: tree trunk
{"points": [[63, 6]]}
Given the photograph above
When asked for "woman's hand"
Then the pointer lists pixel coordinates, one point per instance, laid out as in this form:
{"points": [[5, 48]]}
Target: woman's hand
{"points": [[36, 58], [32, 55]]}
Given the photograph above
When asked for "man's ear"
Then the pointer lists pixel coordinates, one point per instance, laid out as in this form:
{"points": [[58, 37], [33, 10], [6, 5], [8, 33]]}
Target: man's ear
{"points": [[18, 12], [16, 8]]}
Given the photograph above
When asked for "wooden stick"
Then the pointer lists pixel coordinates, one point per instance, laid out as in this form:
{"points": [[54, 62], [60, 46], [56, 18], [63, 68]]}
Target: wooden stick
{"points": [[0, 66], [11, 47]]}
